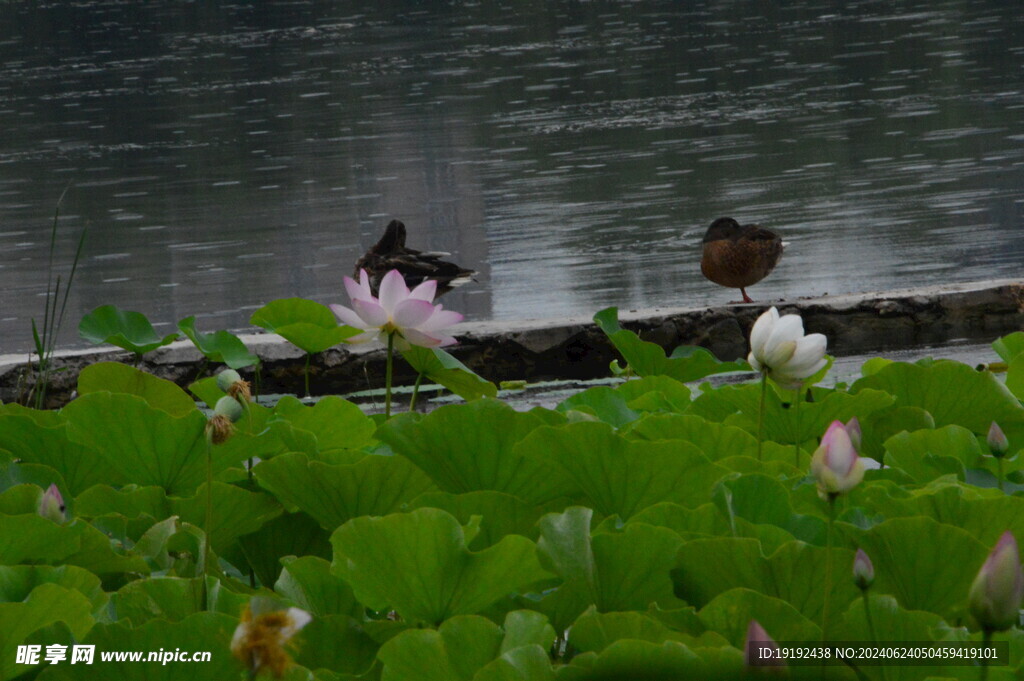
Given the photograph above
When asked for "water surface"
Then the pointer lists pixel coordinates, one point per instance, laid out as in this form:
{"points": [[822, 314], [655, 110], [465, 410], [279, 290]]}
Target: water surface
{"points": [[221, 156]]}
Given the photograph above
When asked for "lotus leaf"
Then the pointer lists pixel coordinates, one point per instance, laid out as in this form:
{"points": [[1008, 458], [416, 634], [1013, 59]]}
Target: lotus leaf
{"points": [[440, 367], [123, 328], [418, 564], [374, 485], [222, 347], [308, 325]]}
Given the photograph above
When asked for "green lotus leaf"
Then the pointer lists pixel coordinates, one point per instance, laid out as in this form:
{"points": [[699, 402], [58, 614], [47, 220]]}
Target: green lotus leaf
{"points": [[648, 359], [236, 512], [594, 631], [730, 612], [622, 476], [47, 604], [33, 539], [31, 442], [503, 514], [605, 403], [925, 564], [891, 623], [655, 394], [18, 581], [120, 378], [953, 393], [440, 367], [334, 494], [612, 571], [309, 583], [289, 534], [222, 347], [338, 643], [794, 573], [123, 328], [308, 325], [1010, 346], [205, 631], [526, 663], [956, 504], [763, 500], [47, 418], [708, 521], [169, 598], [174, 548], [461, 646], [882, 424], [630, 659], [458, 464], [928, 454], [334, 423], [786, 423], [418, 564], [143, 444], [1015, 377], [126, 513]]}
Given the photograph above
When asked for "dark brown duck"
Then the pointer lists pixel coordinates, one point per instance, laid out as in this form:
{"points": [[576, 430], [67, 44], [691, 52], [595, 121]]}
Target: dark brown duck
{"points": [[390, 253], [738, 256]]}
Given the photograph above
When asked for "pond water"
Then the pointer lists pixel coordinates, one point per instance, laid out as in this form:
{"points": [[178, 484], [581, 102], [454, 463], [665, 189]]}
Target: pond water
{"points": [[221, 156]]}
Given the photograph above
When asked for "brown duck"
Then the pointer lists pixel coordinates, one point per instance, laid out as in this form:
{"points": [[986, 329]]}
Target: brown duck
{"points": [[416, 267], [739, 256]]}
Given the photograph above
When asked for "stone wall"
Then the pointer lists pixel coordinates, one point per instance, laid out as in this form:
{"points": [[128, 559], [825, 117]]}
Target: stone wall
{"points": [[576, 349]]}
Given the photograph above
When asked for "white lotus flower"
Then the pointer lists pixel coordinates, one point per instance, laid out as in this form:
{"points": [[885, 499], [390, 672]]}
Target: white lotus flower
{"points": [[779, 348], [410, 315]]}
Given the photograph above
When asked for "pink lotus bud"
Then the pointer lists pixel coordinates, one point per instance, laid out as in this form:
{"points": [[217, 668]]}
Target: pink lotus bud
{"points": [[853, 430], [997, 442], [863, 570], [761, 649], [835, 464], [997, 591], [51, 504]]}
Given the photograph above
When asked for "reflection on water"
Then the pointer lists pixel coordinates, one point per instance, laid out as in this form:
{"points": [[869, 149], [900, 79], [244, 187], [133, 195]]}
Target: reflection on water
{"points": [[222, 156]]}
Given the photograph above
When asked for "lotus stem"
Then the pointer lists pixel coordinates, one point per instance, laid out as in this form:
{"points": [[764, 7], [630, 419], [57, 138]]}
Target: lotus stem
{"points": [[986, 640], [387, 375], [871, 625], [760, 417], [208, 521], [828, 566], [309, 357], [999, 472], [796, 437], [415, 392]]}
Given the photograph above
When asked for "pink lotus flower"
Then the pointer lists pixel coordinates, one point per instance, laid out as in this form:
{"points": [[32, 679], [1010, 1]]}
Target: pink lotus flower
{"points": [[410, 315], [853, 430], [997, 442], [996, 594], [835, 464], [51, 504], [863, 570], [761, 649]]}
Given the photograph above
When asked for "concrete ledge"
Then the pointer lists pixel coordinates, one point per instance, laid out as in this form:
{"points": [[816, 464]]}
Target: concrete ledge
{"points": [[575, 348]]}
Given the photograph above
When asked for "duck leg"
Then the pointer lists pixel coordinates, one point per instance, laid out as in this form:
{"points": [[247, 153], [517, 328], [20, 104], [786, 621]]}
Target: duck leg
{"points": [[746, 298]]}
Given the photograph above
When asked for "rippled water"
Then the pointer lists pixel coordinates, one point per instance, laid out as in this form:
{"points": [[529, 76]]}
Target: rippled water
{"points": [[222, 156]]}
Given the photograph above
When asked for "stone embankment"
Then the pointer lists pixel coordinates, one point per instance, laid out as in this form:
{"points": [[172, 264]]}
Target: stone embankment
{"points": [[574, 348]]}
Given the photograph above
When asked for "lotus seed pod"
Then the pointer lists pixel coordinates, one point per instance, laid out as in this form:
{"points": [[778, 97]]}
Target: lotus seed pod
{"points": [[229, 407], [227, 378]]}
